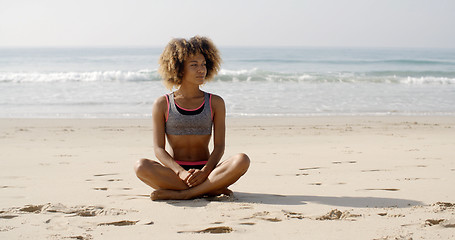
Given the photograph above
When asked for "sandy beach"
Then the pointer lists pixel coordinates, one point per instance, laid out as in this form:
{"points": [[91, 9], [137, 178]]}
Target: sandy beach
{"points": [[310, 178]]}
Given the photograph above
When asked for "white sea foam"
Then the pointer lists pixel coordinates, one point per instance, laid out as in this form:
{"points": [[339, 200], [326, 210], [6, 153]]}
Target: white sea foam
{"points": [[427, 80], [226, 75], [227, 72], [102, 76]]}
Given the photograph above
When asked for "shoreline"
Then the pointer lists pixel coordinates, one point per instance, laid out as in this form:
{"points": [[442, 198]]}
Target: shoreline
{"points": [[375, 177], [236, 121], [245, 117], [258, 116]]}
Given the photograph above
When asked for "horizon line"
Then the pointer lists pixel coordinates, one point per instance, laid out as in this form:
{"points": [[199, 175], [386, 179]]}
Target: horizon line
{"points": [[219, 46]]}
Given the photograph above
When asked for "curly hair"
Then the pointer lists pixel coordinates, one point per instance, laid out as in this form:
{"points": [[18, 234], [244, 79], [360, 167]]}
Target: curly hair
{"points": [[178, 50]]}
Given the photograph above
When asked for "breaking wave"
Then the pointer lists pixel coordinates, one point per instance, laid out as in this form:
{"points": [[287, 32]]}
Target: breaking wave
{"points": [[244, 75]]}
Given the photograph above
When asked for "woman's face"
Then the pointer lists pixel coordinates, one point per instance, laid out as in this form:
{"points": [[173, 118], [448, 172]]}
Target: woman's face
{"points": [[194, 69]]}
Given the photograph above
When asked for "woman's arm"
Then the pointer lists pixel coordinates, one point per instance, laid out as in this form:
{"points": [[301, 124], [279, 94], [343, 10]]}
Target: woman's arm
{"points": [[219, 132], [159, 118]]}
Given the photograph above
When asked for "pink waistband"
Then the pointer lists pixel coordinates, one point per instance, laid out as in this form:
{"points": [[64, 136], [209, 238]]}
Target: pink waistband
{"points": [[187, 163]]}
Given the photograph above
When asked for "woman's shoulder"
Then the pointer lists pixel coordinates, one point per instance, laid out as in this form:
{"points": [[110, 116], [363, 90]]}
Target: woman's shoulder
{"points": [[162, 99], [216, 102], [161, 102], [215, 97]]}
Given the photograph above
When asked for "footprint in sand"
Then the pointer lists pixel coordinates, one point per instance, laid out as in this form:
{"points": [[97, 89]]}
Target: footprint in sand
{"points": [[247, 223], [119, 223], [382, 189], [115, 180], [332, 215], [82, 211], [309, 168], [264, 216], [444, 206], [8, 216], [339, 162], [376, 170], [216, 230], [105, 174], [336, 214], [316, 184], [149, 223], [306, 169], [32, 208], [290, 214], [299, 174], [442, 222], [80, 237]]}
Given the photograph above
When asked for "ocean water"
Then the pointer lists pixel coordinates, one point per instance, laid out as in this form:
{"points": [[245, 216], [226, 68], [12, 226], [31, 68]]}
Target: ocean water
{"points": [[123, 82]]}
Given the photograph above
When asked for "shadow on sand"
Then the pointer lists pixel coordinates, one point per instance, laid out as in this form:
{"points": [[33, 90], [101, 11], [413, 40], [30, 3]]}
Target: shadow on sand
{"points": [[276, 199], [344, 201]]}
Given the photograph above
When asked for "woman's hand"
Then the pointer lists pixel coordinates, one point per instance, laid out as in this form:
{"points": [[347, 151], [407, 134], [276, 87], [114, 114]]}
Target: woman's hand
{"points": [[184, 175], [196, 177]]}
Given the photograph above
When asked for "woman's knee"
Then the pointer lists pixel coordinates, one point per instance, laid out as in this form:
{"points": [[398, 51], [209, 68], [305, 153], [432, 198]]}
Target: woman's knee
{"points": [[242, 161], [141, 166]]}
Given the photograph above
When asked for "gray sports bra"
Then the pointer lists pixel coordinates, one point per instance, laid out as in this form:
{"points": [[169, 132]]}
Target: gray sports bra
{"points": [[181, 121]]}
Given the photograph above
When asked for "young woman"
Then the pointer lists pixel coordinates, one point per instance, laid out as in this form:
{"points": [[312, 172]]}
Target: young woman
{"points": [[186, 118]]}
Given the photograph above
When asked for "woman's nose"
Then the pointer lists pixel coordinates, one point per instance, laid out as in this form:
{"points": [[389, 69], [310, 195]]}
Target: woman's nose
{"points": [[201, 68]]}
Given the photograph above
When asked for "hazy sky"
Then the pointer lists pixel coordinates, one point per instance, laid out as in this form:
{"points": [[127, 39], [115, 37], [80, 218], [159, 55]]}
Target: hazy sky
{"points": [[107, 23]]}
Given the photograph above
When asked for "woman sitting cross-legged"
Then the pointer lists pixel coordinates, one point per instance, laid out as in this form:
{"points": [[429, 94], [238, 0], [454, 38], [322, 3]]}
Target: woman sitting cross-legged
{"points": [[186, 118]]}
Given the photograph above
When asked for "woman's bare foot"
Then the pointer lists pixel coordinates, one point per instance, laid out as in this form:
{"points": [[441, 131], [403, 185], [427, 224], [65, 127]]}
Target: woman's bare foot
{"points": [[164, 194]]}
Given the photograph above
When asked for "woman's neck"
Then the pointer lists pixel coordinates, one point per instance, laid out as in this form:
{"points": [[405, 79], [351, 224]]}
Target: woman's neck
{"points": [[188, 91]]}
